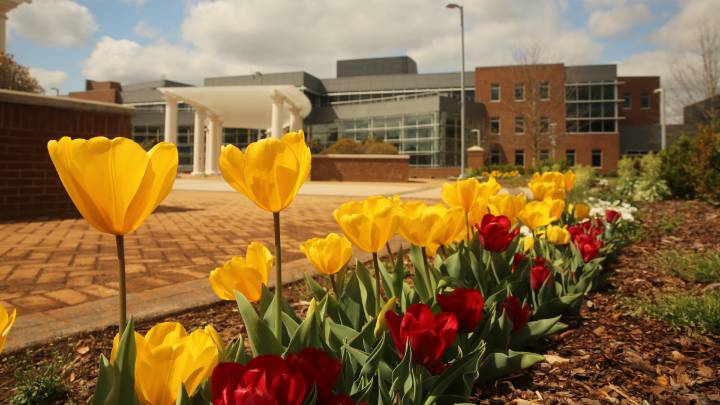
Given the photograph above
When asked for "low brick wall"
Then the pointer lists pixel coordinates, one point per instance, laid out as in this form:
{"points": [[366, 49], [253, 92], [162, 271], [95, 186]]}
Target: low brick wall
{"points": [[29, 185], [434, 172], [391, 168]]}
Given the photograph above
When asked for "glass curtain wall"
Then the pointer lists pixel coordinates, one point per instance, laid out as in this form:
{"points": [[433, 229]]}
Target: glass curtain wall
{"points": [[591, 107], [424, 137]]}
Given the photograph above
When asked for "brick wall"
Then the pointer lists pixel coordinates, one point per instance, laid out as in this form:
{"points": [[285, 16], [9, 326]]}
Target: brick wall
{"points": [[634, 86], [391, 168], [29, 185]]}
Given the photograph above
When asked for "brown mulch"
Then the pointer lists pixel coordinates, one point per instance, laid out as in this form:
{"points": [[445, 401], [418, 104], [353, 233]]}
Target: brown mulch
{"points": [[606, 356]]}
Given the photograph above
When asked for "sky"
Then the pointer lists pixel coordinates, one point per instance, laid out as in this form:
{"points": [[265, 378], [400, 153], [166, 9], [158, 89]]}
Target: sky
{"points": [[66, 41]]}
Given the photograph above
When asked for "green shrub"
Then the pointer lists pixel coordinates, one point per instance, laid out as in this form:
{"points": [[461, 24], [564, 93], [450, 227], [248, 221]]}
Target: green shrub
{"points": [[691, 167], [372, 147], [641, 180], [550, 165], [40, 385], [698, 313], [691, 266], [585, 177]]}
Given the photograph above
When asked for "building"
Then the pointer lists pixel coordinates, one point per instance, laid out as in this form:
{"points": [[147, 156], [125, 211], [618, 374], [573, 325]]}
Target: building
{"points": [[520, 114], [575, 113]]}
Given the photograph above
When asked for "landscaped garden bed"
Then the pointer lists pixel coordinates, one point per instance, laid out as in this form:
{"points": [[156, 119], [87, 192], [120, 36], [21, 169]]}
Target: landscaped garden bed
{"points": [[497, 298]]}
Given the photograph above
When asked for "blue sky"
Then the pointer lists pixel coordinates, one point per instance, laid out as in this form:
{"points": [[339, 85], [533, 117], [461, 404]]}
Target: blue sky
{"points": [[66, 41]]}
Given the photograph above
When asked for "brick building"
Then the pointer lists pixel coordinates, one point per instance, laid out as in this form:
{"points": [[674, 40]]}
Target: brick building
{"points": [[583, 114]]}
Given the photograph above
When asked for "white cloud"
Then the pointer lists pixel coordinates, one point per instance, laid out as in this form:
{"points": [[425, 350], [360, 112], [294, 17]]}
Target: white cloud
{"points": [[618, 19], [240, 37], [145, 30], [136, 2], [49, 78], [53, 23], [681, 31]]}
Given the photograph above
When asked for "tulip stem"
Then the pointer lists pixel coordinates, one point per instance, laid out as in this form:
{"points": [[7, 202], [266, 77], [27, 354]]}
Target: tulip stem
{"points": [[278, 277], [390, 253], [425, 259], [120, 242], [334, 286], [376, 263]]}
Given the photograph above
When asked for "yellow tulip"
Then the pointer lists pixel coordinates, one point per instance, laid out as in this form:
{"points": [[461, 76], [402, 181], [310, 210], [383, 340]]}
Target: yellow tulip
{"points": [[328, 255], [270, 171], [417, 223], [245, 274], [546, 189], [168, 356], [451, 229], [582, 211], [369, 223], [569, 180], [6, 323], [528, 242], [508, 205], [471, 195], [114, 183], [537, 214], [557, 235]]}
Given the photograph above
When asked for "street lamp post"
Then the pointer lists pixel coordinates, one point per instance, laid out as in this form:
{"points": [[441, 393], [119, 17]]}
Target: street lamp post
{"points": [[663, 139], [462, 88]]}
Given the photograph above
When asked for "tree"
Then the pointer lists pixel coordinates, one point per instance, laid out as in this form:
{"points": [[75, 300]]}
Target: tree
{"points": [[531, 71], [697, 77], [14, 76]]}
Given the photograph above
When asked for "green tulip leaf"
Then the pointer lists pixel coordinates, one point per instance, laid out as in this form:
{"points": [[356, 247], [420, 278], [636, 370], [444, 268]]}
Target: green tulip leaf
{"points": [[116, 382], [318, 291], [262, 339], [496, 365]]}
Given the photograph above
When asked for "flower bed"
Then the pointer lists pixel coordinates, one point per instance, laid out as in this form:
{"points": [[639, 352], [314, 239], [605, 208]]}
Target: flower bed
{"points": [[475, 296]]}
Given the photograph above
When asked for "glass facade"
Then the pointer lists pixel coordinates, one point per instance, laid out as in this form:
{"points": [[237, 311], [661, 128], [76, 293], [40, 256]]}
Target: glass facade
{"points": [[430, 139], [591, 108], [385, 95]]}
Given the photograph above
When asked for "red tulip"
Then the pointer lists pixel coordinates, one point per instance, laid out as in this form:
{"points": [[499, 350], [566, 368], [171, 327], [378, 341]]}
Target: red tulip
{"points": [[264, 380], [317, 367], [466, 304], [429, 335], [495, 234], [519, 314], [589, 246], [539, 273], [612, 216], [517, 259]]}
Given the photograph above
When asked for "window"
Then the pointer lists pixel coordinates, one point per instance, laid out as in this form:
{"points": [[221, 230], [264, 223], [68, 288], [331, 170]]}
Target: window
{"points": [[495, 92], [644, 101], [495, 157], [519, 125], [544, 91], [570, 157], [544, 154], [544, 125], [519, 92], [597, 158], [519, 157], [627, 101], [495, 125]]}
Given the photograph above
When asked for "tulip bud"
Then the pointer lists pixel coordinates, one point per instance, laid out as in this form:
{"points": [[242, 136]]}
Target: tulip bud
{"points": [[380, 323]]}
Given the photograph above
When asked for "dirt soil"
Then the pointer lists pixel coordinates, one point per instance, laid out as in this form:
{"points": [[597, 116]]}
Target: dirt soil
{"points": [[606, 355]]}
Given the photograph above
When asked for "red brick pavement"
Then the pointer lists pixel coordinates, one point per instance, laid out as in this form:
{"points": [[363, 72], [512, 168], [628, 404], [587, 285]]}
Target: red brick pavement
{"points": [[47, 265]]}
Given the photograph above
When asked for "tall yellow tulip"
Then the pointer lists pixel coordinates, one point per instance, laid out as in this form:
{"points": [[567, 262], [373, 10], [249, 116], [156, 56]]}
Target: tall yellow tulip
{"points": [[6, 323], [115, 185], [167, 356], [537, 214], [580, 211], [369, 224], [246, 274], [569, 180], [452, 227], [557, 235], [471, 195], [329, 254], [270, 173], [508, 205], [546, 189]]}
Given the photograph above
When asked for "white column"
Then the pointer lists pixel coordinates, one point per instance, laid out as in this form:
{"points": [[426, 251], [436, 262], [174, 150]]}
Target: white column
{"points": [[211, 148], [218, 144], [171, 113], [199, 143], [276, 123], [296, 121]]}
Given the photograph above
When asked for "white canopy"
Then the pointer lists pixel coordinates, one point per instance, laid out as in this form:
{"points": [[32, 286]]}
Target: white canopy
{"points": [[243, 106]]}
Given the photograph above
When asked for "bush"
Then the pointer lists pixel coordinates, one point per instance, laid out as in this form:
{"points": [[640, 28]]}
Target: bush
{"points": [[550, 165], [641, 180], [691, 167], [40, 385], [347, 146]]}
